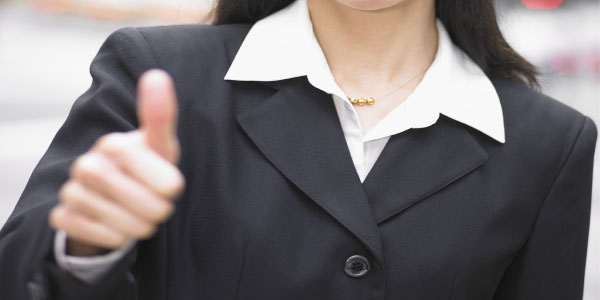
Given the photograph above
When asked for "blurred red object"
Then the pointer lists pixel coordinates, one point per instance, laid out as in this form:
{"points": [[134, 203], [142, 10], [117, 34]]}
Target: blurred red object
{"points": [[542, 4], [593, 60], [574, 62], [565, 63], [51, 6]]}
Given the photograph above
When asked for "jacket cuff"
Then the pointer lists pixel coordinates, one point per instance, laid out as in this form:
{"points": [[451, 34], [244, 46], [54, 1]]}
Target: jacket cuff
{"points": [[87, 269], [116, 282]]}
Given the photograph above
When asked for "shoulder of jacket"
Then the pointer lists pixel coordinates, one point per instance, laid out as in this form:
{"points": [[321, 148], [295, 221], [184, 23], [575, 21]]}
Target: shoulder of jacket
{"points": [[194, 32], [172, 40], [519, 99], [536, 118]]}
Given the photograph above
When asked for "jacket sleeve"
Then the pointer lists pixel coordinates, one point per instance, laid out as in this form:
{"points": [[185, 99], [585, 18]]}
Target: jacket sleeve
{"points": [[27, 266], [551, 265]]}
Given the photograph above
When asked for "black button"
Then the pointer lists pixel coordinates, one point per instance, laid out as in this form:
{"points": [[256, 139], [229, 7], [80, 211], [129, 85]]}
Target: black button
{"points": [[34, 287], [35, 291], [357, 266]]}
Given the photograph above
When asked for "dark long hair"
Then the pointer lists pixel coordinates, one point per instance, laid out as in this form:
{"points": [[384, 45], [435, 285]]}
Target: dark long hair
{"points": [[472, 25]]}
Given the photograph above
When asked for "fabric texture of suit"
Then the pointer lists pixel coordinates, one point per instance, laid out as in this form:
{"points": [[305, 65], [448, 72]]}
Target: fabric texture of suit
{"points": [[274, 207]]}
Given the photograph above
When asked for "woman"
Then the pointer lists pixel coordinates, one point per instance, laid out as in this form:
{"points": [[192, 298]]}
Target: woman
{"points": [[330, 149]]}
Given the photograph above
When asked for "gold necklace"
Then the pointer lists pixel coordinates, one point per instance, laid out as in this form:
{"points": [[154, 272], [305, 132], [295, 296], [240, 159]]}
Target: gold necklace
{"points": [[371, 100]]}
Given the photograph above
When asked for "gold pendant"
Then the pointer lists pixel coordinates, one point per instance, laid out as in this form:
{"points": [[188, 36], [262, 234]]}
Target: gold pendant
{"points": [[362, 101]]}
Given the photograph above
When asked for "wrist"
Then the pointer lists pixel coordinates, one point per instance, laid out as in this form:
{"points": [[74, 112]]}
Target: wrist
{"points": [[76, 248]]}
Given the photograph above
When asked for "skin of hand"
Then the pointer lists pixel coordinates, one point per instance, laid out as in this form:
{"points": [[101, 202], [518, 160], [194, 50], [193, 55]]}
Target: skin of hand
{"points": [[124, 186]]}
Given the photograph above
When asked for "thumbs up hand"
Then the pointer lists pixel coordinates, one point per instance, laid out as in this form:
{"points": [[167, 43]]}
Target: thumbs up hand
{"points": [[124, 186], [157, 112]]}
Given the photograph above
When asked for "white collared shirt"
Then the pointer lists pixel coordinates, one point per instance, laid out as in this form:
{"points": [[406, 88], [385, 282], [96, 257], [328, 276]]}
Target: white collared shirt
{"points": [[283, 45]]}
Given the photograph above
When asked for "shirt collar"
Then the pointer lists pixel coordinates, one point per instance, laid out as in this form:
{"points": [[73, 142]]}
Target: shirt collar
{"points": [[283, 45]]}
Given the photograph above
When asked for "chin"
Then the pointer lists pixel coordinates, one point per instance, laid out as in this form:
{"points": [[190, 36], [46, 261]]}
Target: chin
{"points": [[369, 4]]}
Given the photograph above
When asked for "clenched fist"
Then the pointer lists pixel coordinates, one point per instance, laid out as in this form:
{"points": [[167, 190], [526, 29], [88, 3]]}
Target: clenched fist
{"points": [[124, 186]]}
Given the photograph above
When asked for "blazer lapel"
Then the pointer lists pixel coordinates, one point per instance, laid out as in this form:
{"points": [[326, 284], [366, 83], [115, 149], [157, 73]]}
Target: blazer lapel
{"points": [[419, 162], [298, 130]]}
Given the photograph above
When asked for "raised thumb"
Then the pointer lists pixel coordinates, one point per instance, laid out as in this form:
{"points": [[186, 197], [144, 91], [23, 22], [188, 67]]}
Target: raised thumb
{"points": [[157, 113]]}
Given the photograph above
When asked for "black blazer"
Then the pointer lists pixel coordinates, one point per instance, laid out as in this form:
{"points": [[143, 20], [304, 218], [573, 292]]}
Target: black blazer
{"points": [[274, 207]]}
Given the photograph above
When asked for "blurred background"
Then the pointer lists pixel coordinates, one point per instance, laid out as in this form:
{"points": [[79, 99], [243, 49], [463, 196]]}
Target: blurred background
{"points": [[46, 47]]}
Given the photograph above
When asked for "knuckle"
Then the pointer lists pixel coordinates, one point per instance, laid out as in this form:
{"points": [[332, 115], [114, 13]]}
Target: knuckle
{"points": [[85, 165], [113, 144], [161, 213], [179, 183], [76, 166], [74, 198], [68, 192], [55, 217], [175, 186], [91, 166], [64, 192], [59, 218], [116, 240]]}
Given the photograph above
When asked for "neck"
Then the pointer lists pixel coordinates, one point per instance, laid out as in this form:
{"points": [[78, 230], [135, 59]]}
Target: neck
{"points": [[369, 49]]}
